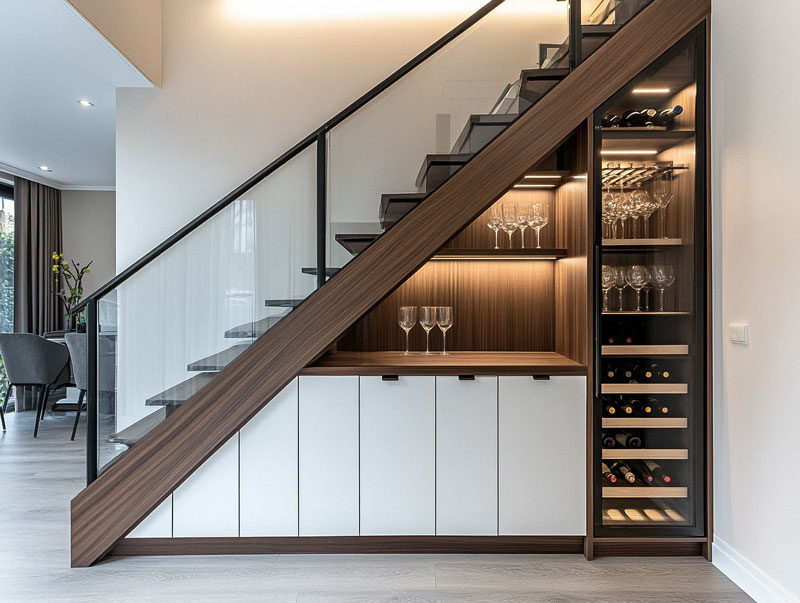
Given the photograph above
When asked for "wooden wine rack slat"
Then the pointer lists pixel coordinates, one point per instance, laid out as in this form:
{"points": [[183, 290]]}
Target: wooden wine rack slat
{"points": [[645, 388], [645, 423], [642, 242], [645, 492], [645, 350], [629, 454]]}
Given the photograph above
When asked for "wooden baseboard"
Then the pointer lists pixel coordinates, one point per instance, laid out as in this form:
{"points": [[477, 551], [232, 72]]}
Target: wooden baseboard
{"points": [[350, 544], [649, 547]]}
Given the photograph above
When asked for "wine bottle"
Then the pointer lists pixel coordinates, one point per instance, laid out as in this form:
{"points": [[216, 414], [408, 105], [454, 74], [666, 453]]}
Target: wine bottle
{"points": [[658, 407], [638, 119], [659, 476], [607, 473], [609, 441], [626, 440], [623, 471], [619, 338], [611, 121], [627, 409], [667, 116], [656, 373], [610, 408], [646, 409], [642, 472]]}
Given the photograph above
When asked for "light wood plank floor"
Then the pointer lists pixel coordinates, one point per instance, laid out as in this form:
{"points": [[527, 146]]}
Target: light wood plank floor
{"points": [[39, 477]]}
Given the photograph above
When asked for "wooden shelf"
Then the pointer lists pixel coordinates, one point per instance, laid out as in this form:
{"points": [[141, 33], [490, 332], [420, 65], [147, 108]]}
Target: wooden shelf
{"points": [[642, 242], [645, 492], [450, 254], [634, 313], [645, 423], [636, 129], [455, 363], [638, 140], [645, 350], [639, 454], [645, 388]]}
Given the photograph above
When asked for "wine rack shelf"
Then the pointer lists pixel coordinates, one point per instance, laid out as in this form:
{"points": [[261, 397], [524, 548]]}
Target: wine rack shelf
{"points": [[645, 350], [452, 254], [646, 423], [642, 242], [630, 515], [634, 313], [644, 492], [649, 454], [645, 388]]}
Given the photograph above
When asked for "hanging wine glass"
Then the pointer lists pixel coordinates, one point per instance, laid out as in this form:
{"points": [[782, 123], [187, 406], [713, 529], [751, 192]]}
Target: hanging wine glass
{"points": [[407, 318], [427, 321], [495, 222], [663, 276], [510, 220], [637, 277], [444, 318], [540, 217], [607, 279]]}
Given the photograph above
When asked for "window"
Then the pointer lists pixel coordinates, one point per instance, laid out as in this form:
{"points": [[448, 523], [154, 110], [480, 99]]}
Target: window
{"points": [[6, 269]]}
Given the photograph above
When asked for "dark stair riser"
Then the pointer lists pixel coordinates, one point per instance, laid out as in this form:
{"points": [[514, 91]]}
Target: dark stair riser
{"points": [[178, 394], [437, 168]]}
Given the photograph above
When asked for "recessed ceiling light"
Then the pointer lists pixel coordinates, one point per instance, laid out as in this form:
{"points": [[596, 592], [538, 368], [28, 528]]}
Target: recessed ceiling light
{"points": [[651, 90], [44, 168], [629, 152], [534, 186], [85, 103]]}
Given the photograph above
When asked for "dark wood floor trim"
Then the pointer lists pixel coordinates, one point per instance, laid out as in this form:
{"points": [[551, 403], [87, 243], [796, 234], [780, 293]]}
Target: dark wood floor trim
{"points": [[142, 478], [351, 545], [649, 547]]}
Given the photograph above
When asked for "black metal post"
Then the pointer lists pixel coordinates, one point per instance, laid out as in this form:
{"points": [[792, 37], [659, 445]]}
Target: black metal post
{"points": [[575, 34], [322, 204], [91, 393]]}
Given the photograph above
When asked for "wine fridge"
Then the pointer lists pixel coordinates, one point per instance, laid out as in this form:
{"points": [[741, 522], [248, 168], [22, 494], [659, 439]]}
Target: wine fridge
{"points": [[650, 470]]}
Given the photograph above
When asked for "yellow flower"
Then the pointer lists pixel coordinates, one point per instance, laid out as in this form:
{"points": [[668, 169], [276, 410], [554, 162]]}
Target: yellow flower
{"points": [[55, 255], [55, 268], [61, 255]]}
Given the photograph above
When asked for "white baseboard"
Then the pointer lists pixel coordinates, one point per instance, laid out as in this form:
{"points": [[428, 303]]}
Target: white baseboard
{"points": [[747, 576]]}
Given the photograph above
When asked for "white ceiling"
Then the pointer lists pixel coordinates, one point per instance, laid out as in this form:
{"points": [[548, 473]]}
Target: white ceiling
{"points": [[50, 57]]}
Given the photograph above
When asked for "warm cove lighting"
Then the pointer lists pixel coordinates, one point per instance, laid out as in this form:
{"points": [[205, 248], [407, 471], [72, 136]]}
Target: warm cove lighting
{"points": [[541, 177], [651, 90], [629, 152], [534, 186], [352, 10]]}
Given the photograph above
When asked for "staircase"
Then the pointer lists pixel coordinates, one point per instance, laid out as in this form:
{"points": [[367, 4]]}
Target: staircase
{"points": [[529, 119]]}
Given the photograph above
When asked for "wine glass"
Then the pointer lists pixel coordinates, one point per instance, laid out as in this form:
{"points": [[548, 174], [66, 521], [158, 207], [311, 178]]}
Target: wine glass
{"points": [[607, 279], [444, 318], [620, 282], [407, 318], [524, 220], [636, 276], [540, 217], [510, 219], [663, 276], [495, 223], [663, 197], [427, 321]]}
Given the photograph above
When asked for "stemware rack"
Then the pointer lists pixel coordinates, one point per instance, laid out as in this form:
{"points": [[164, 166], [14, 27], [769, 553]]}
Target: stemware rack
{"points": [[638, 176]]}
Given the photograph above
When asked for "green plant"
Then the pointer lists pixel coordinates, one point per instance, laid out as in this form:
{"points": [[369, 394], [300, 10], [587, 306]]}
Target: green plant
{"points": [[6, 295], [71, 292]]}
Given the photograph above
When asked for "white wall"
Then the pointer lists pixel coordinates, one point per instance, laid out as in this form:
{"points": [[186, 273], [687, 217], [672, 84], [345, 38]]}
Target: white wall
{"points": [[242, 83], [88, 227], [757, 405]]}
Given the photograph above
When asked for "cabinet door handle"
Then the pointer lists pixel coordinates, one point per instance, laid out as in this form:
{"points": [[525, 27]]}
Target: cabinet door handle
{"points": [[541, 377], [390, 378], [466, 377]]}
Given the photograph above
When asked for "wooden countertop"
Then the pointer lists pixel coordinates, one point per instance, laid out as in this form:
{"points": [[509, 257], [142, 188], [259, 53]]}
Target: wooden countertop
{"points": [[455, 363]]}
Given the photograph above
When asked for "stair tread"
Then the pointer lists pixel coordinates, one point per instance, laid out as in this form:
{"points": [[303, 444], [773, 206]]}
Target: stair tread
{"points": [[329, 272], [356, 243], [135, 432], [395, 206], [218, 361], [495, 119], [178, 394], [283, 303], [441, 159], [251, 330]]}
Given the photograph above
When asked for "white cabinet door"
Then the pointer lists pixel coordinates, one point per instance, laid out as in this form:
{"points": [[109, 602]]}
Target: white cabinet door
{"points": [[466, 456], [207, 503], [542, 456], [398, 456], [268, 468], [156, 525], [329, 456]]}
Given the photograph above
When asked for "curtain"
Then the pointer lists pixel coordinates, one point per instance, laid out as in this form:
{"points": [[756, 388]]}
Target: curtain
{"points": [[37, 236]]}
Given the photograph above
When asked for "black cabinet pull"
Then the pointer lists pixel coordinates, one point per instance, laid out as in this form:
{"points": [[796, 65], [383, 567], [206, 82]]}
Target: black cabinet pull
{"points": [[390, 378], [466, 377], [541, 377]]}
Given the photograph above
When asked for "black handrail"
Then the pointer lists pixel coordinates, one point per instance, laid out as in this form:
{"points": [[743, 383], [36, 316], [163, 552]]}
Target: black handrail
{"points": [[289, 155]]}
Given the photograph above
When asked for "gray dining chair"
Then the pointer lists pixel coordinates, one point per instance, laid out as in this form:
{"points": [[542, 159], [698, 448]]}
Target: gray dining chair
{"points": [[33, 361], [78, 354]]}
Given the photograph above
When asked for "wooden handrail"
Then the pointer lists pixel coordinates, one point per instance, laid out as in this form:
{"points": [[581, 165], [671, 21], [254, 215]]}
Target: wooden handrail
{"points": [[142, 478]]}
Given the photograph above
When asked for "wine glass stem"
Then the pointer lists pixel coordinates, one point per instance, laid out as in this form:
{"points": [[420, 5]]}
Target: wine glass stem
{"points": [[605, 300], [538, 238], [620, 298], [638, 300], [427, 342], [444, 343], [523, 237], [496, 245], [661, 300], [663, 222], [646, 234], [509, 239], [406, 342]]}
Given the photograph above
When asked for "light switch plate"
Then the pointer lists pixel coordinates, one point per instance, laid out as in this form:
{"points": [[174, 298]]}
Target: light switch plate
{"points": [[739, 333]]}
